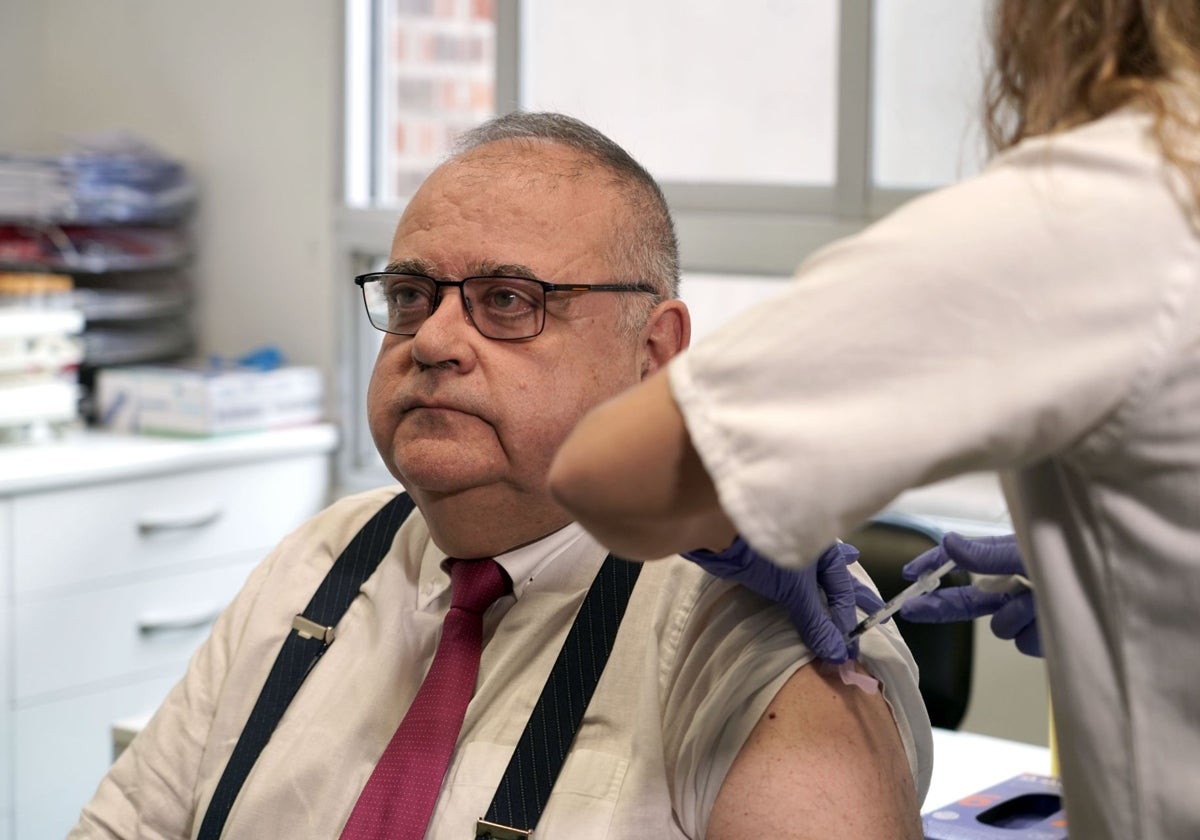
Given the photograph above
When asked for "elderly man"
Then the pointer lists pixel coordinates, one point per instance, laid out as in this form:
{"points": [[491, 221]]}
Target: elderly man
{"points": [[532, 276]]}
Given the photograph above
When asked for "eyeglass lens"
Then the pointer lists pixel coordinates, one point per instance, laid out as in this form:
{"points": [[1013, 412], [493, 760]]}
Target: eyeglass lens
{"points": [[500, 307]]}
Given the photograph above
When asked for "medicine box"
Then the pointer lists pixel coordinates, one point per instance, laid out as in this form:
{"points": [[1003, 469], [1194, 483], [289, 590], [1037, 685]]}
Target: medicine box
{"points": [[1025, 807], [198, 400]]}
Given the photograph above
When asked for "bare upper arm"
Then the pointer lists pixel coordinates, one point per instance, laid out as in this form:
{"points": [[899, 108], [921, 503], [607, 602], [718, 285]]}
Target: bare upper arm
{"points": [[629, 474], [825, 760]]}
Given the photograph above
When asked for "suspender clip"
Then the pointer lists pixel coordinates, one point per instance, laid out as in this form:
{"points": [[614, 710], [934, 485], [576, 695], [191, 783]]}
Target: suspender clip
{"points": [[309, 629], [485, 830]]}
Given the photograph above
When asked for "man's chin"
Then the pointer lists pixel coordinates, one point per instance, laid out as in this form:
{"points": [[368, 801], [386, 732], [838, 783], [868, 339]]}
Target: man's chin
{"points": [[430, 473]]}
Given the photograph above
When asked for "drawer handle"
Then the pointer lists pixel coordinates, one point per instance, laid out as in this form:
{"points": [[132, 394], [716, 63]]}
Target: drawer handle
{"points": [[165, 622], [152, 524]]}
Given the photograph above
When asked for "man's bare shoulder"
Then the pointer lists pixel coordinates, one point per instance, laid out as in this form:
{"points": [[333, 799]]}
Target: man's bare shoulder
{"points": [[824, 760]]}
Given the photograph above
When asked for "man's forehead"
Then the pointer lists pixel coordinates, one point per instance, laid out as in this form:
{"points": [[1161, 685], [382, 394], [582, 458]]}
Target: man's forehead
{"points": [[522, 219], [551, 156], [508, 172], [535, 167]]}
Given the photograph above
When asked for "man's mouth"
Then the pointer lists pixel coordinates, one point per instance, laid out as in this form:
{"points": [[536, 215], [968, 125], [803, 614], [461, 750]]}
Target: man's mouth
{"points": [[408, 404]]}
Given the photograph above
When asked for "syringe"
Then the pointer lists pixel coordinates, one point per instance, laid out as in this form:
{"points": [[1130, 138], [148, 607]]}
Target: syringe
{"points": [[922, 585], [1011, 584]]}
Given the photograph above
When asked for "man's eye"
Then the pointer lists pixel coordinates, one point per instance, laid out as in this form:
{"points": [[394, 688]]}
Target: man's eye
{"points": [[505, 299], [406, 297], [509, 299]]}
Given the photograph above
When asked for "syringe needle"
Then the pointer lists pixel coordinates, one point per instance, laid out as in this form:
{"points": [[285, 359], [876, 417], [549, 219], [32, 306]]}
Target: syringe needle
{"points": [[923, 584]]}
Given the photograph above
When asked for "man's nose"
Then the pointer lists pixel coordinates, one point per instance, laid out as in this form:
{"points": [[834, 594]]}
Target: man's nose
{"points": [[444, 334], [444, 306]]}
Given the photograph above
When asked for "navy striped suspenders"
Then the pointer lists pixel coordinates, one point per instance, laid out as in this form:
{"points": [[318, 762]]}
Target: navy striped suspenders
{"points": [[538, 757]]}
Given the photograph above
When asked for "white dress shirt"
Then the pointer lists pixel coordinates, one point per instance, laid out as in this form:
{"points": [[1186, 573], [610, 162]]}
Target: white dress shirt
{"points": [[695, 663]]}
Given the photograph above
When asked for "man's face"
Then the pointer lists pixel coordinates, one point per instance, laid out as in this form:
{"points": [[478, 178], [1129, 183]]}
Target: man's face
{"points": [[451, 411]]}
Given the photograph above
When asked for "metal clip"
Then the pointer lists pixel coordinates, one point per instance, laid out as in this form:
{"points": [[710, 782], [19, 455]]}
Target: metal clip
{"points": [[485, 830], [309, 629]]}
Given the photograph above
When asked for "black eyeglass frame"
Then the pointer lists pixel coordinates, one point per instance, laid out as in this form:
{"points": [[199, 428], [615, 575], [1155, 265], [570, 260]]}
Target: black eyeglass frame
{"points": [[363, 279]]}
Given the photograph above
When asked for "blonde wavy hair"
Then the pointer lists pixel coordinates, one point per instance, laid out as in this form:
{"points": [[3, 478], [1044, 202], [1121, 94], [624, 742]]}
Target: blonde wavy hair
{"points": [[1061, 63]]}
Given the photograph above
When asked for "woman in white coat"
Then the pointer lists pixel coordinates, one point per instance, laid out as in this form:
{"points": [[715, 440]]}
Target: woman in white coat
{"points": [[1041, 319]]}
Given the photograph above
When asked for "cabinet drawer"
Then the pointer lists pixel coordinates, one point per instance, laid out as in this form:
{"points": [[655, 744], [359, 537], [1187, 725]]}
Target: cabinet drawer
{"points": [[83, 535], [5, 671], [6, 507], [64, 748], [117, 631]]}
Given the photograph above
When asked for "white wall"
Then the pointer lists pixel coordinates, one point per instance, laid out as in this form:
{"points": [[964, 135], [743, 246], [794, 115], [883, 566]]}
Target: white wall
{"points": [[247, 94], [1010, 694], [19, 30]]}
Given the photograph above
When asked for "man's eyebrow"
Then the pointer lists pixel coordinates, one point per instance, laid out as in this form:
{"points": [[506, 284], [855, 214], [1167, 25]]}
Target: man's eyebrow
{"points": [[415, 265], [411, 266], [507, 270]]}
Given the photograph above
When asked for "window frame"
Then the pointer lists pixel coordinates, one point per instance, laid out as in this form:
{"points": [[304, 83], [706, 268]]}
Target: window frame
{"points": [[722, 228]]}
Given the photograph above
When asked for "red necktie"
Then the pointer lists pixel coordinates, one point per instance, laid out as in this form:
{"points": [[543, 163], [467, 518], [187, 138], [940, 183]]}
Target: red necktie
{"points": [[398, 799]]}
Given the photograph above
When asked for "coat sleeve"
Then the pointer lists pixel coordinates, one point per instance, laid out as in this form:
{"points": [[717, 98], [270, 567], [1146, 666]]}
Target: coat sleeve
{"points": [[982, 327]]}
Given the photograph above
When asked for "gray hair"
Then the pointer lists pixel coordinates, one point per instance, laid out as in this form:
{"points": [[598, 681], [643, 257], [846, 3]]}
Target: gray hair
{"points": [[646, 249]]}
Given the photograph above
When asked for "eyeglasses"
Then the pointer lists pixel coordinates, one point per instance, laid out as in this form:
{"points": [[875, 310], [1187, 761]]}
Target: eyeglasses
{"points": [[503, 308]]}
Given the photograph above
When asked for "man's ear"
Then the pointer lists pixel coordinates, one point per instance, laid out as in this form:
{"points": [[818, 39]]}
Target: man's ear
{"points": [[668, 331]]}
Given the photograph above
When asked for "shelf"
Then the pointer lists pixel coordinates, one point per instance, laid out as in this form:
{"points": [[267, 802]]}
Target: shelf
{"points": [[96, 187], [91, 249], [119, 305], [94, 456], [166, 339], [38, 402], [40, 355], [20, 322]]}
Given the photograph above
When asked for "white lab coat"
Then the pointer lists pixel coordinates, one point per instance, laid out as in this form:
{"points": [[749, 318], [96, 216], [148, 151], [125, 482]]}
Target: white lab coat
{"points": [[1042, 319]]}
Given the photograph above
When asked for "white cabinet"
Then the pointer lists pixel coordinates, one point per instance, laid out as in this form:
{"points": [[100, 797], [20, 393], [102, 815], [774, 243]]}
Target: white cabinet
{"points": [[63, 748], [116, 555], [6, 744], [155, 526]]}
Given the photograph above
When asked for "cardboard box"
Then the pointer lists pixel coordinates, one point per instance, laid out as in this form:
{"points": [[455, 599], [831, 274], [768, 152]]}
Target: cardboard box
{"points": [[197, 400], [1025, 807]]}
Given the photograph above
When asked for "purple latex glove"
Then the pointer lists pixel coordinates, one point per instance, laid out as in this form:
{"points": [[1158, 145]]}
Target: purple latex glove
{"points": [[1013, 614], [821, 622]]}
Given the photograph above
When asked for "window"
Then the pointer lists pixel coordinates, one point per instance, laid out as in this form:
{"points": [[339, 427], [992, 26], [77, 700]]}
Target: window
{"points": [[425, 72], [926, 101], [774, 126], [745, 97]]}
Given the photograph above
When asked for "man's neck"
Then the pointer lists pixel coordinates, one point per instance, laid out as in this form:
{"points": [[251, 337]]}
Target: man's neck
{"points": [[486, 522]]}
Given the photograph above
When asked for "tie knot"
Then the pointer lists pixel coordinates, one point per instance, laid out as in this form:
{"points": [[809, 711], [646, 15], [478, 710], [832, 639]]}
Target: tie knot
{"points": [[476, 584]]}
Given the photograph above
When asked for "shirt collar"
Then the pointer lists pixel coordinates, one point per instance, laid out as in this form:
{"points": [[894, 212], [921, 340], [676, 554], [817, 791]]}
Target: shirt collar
{"points": [[524, 565]]}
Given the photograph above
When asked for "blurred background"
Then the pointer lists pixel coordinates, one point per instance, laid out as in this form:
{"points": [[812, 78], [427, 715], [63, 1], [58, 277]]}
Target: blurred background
{"points": [[187, 190]]}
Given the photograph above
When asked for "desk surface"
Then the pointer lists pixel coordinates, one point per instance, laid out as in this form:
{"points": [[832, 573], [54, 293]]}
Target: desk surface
{"points": [[966, 762], [95, 456]]}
